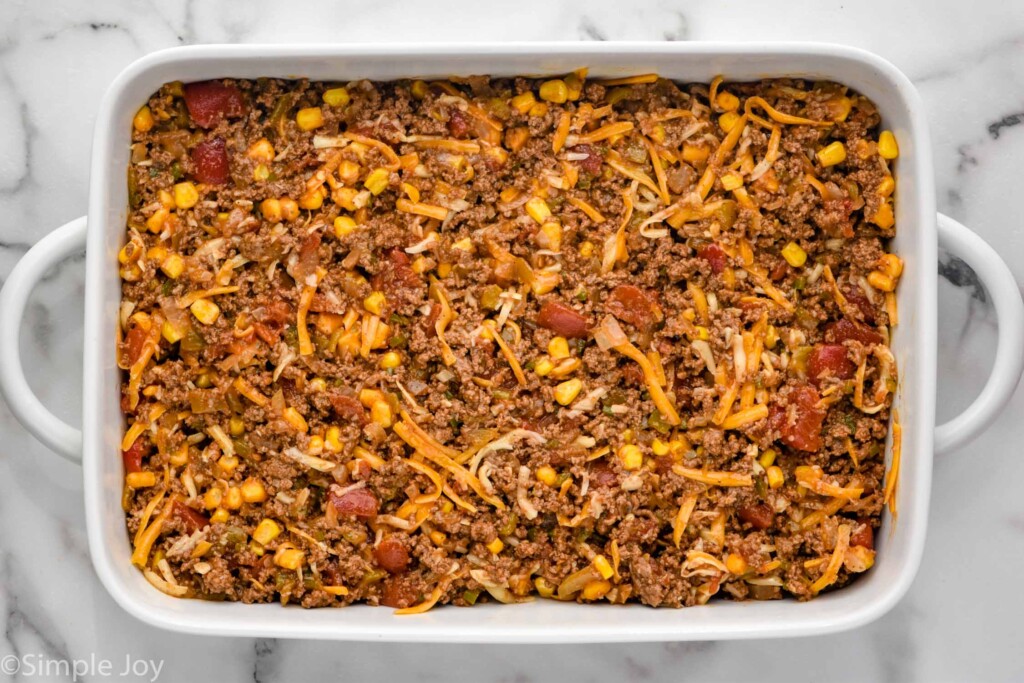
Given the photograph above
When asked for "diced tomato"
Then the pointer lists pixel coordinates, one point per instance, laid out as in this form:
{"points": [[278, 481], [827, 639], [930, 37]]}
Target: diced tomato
{"points": [[391, 555], [210, 101], [799, 422], [759, 515], [779, 271], [133, 456], [602, 475], [396, 273], [562, 320], [211, 161], [309, 252], [844, 329], [278, 312], [592, 164], [715, 256], [347, 407], [193, 520], [399, 593], [864, 536], [458, 124], [859, 300], [634, 305], [358, 503], [134, 342], [829, 360]]}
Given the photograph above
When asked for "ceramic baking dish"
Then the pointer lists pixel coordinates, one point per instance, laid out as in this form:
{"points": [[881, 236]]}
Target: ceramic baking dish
{"points": [[919, 230]]}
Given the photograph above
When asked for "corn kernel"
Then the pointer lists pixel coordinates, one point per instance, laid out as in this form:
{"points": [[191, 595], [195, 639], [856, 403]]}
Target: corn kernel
{"points": [[253, 491], [370, 396], [881, 281], [310, 118], [374, 303], [166, 199], [891, 265], [771, 337], [344, 225], [233, 498], [767, 458], [659, 447], [702, 333], [833, 154], [332, 440], [312, 200], [140, 480], [543, 367], [587, 249], [775, 476], [695, 154], [558, 347], [271, 210], [438, 537], [391, 359], [736, 564], [377, 181], [887, 186], [212, 498], [595, 590], [603, 567], [318, 384], [550, 236], [544, 587], [336, 97], [574, 84], [185, 195], [349, 172], [627, 435], [419, 89], [794, 254], [380, 412], [538, 209], [539, 109], [523, 102], [887, 147], [465, 244], [143, 120], [547, 475], [516, 138], [289, 558], [631, 456], [884, 217], [728, 101], [205, 311], [173, 266], [170, 332], [443, 270], [261, 173], [567, 391], [227, 465], [727, 120], [554, 91], [236, 426], [155, 223], [732, 180], [219, 516], [295, 419], [266, 531], [261, 150], [496, 546]]}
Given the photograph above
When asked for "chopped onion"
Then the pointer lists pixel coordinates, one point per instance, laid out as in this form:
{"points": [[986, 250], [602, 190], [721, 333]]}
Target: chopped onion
{"points": [[318, 464], [609, 334], [524, 504]]}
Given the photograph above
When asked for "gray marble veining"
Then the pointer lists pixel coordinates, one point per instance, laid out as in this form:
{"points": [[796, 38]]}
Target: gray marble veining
{"points": [[960, 619]]}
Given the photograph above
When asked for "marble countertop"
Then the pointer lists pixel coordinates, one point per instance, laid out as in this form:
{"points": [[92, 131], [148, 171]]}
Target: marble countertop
{"points": [[960, 620]]}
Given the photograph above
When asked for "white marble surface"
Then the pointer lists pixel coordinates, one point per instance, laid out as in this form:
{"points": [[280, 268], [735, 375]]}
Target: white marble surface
{"points": [[960, 620]]}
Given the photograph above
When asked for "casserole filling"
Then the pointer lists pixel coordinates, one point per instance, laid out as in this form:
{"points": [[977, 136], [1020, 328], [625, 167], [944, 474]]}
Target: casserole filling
{"points": [[482, 339]]}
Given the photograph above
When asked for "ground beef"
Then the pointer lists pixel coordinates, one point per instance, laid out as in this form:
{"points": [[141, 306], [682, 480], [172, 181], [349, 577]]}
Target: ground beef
{"points": [[404, 342]]}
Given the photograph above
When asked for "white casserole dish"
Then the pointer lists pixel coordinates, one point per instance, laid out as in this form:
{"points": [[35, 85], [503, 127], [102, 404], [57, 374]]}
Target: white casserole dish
{"points": [[900, 544]]}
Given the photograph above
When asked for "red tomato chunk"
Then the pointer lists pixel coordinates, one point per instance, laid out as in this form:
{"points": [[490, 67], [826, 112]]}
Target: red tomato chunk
{"points": [[829, 360], [210, 101], [799, 422], [211, 161]]}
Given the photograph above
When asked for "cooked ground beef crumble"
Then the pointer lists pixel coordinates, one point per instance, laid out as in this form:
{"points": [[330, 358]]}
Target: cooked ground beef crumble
{"points": [[444, 343]]}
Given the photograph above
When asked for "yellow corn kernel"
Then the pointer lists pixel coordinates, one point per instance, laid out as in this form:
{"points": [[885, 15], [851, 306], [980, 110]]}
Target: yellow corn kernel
{"points": [[702, 332], [465, 244], [261, 150], [732, 180], [887, 147], [550, 236], [349, 171], [219, 516], [173, 266], [539, 109], [332, 440], [554, 91], [538, 209], [391, 359], [205, 311], [891, 265], [840, 108], [438, 537], [233, 498], [558, 347], [170, 332], [603, 567], [771, 337], [289, 558], [447, 507], [659, 447], [312, 200], [370, 396], [226, 465], [627, 435], [544, 587], [508, 194], [295, 419], [266, 531], [310, 118], [380, 412], [166, 199], [728, 101], [419, 89], [523, 102], [422, 264], [375, 303], [236, 426], [377, 181], [143, 120], [695, 154], [318, 384], [767, 458], [212, 498], [597, 589], [775, 476], [884, 217], [726, 121], [574, 84], [155, 223], [185, 195], [887, 186], [565, 367], [736, 564], [547, 475], [881, 281], [543, 367], [140, 480], [316, 445], [587, 249], [344, 225], [496, 546], [261, 173], [157, 254], [271, 210], [833, 154], [567, 391], [256, 549], [794, 254], [336, 97], [443, 270], [253, 491], [631, 456]]}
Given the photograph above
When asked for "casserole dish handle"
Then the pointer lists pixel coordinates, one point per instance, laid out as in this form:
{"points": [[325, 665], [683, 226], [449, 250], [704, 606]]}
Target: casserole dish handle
{"points": [[51, 430], [1009, 357]]}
